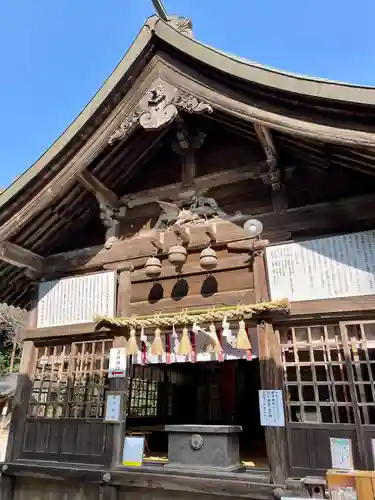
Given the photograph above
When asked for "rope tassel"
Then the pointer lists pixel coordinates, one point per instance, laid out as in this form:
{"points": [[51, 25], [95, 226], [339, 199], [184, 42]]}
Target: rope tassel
{"points": [[185, 347], [132, 343], [242, 341], [157, 348], [214, 344]]}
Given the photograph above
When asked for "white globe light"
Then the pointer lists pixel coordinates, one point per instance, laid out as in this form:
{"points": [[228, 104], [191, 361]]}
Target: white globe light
{"points": [[253, 227]]}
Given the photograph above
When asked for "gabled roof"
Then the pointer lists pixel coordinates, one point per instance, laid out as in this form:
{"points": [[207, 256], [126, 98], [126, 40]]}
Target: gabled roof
{"points": [[231, 65], [312, 109]]}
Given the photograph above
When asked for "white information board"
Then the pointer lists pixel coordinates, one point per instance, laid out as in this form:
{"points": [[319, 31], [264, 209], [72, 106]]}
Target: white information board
{"points": [[113, 408], [117, 362], [132, 455], [271, 407], [78, 299], [337, 266], [341, 453]]}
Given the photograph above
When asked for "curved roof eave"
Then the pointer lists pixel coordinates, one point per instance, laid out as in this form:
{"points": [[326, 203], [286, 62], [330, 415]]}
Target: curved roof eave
{"points": [[233, 66], [105, 90], [264, 75]]}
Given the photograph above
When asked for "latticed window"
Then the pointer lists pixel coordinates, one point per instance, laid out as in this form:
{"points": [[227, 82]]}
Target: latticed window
{"points": [[316, 380], [144, 394], [361, 347], [70, 380]]}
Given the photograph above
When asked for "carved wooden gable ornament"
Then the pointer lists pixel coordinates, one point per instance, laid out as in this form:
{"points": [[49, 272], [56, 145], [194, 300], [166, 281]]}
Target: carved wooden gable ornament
{"points": [[159, 107]]}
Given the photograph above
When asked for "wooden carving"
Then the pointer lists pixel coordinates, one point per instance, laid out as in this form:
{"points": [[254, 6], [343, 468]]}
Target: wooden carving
{"points": [[188, 210], [273, 177], [158, 108], [181, 24]]}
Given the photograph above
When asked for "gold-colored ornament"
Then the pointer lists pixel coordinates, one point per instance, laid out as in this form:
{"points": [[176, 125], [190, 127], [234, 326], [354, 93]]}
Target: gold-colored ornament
{"points": [[242, 341], [185, 348], [157, 348], [132, 346]]}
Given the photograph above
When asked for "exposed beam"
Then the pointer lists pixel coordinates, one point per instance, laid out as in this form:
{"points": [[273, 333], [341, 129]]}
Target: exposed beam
{"points": [[98, 189], [209, 181], [20, 257], [317, 217], [266, 141], [273, 177]]}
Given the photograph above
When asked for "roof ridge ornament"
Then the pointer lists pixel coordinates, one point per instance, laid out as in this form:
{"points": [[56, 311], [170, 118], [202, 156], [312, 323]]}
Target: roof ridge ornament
{"points": [[181, 24], [159, 107]]}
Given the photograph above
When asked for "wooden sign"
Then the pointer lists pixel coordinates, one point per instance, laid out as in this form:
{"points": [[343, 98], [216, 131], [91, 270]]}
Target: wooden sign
{"points": [[323, 268], [79, 299], [117, 363], [341, 453], [114, 413], [271, 408], [132, 455]]}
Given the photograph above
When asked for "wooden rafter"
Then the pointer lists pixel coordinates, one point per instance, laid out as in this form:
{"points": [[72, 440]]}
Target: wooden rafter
{"points": [[209, 181], [273, 176], [98, 189], [20, 257]]}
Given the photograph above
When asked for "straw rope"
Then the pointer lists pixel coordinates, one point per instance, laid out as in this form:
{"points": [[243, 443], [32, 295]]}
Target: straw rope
{"points": [[190, 317]]}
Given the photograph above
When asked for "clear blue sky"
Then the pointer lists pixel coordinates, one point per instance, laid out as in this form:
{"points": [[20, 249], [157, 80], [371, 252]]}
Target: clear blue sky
{"points": [[55, 54]]}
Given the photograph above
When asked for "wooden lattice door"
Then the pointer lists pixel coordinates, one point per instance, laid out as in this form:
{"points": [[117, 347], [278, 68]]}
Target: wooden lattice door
{"points": [[359, 340]]}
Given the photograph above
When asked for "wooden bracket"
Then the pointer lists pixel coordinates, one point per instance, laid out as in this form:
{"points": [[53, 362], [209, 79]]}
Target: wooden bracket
{"points": [[249, 245], [98, 189], [158, 241], [183, 234], [210, 230], [20, 257]]}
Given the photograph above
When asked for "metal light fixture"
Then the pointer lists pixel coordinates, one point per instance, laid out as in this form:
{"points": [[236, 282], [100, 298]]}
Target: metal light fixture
{"points": [[253, 227]]}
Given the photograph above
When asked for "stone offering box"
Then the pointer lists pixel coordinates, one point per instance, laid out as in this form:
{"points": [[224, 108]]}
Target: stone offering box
{"points": [[206, 447]]}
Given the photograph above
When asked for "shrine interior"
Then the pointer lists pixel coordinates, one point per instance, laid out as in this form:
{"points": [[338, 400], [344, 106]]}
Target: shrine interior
{"points": [[204, 393]]}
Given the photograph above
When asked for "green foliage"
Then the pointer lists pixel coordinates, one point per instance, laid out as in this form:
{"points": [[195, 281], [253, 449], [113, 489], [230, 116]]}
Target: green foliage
{"points": [[5, 360]]}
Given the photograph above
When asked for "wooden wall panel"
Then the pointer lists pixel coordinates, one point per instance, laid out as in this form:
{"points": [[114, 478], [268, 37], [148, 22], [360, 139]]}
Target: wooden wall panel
{"points": [[66, 440], [309, 447], [199, 284]]}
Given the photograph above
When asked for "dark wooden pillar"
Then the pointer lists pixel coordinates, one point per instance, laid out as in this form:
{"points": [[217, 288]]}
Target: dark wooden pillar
{"points": [[271, 376], [123, 303], [22, 395], [6, 487]]}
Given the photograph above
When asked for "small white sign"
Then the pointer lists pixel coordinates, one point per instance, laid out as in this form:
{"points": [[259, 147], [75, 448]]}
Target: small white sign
{"points": [[113, 408], [117, 363], [132, 455], [341, 453], [271, 408]]}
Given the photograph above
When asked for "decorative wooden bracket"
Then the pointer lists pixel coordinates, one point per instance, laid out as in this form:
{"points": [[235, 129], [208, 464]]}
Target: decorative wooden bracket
{"points": [[183, 234], [158, 241], [186, 145], [112, 210], [159, 107], [248, 245], [210, 230], [98, 189], [20, 257], [273, 176]]}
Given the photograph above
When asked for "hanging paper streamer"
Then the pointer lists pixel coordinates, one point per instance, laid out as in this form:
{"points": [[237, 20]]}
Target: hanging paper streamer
{"points": [[132, 345], [243, 341], [157, 347]]}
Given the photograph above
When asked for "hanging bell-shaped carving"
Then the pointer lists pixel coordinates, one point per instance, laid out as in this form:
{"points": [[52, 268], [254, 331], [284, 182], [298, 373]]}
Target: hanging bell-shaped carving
{"points": [[208, 259], [153, 267], [177, 255]]}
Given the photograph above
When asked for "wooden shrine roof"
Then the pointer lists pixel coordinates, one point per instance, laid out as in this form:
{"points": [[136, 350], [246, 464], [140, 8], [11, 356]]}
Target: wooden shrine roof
{"points": [[306, 115]]}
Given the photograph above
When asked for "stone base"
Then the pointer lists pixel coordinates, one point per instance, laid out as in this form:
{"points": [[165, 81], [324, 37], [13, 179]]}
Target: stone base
{"points": [[203, 447]]}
